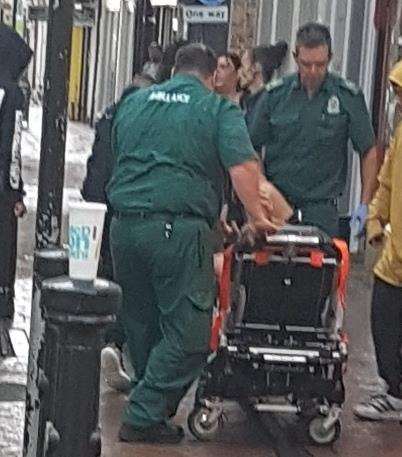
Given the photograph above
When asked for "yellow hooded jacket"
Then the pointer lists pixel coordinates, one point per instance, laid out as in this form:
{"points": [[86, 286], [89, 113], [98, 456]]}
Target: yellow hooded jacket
{"points": [[386, 207]]}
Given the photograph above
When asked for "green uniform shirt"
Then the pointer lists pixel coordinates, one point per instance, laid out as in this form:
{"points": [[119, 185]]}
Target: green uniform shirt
{"points": [[173, 143], [306, 139]]}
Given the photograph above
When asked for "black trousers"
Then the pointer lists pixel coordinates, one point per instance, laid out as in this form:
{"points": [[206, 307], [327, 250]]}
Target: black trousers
{"points": [[8, 256], [115, 333], [386, 323]]}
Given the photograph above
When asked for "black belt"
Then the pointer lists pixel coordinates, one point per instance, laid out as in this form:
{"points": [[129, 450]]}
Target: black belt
{"points": [[318, 201], [297, 216], [121, 215]]}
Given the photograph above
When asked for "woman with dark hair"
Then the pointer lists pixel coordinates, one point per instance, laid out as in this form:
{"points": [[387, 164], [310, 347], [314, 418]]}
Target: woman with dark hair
{"points": [[257, 69], [227, 84], [227, 77]]}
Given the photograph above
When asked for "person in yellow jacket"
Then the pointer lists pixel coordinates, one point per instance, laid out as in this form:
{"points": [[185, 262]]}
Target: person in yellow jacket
{"points": [[384, 229]]}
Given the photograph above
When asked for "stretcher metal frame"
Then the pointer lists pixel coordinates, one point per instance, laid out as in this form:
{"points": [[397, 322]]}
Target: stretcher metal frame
{"points": [[248, 358]]}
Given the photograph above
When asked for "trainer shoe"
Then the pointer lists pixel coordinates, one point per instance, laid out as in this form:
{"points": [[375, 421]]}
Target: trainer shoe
{"points": [[157, 434], [113, 371], [382, 407]]}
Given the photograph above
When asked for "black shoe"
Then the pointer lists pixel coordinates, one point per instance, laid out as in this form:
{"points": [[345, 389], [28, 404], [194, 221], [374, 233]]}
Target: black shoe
{"points": [[159, 434]]}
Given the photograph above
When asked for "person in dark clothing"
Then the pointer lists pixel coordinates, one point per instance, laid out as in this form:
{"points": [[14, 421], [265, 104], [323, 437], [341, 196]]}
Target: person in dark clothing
{"points": [[258, 67], [99, 170], [14, 57], [100, 167], [227, 85], [168, 59]]}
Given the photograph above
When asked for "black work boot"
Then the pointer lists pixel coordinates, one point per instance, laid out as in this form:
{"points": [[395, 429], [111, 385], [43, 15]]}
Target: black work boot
{"points": [[158, 434]]}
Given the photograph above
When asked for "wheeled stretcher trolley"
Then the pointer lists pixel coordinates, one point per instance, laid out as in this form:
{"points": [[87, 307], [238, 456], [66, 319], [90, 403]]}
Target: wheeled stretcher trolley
{"points": [[277, 339]]}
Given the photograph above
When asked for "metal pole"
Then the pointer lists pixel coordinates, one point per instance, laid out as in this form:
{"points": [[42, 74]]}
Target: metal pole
{"points": [[64, 366], [139, 36], [15, 9], [48, 263], [76, 316], [97, 52], [54, 123], [50, 196]]}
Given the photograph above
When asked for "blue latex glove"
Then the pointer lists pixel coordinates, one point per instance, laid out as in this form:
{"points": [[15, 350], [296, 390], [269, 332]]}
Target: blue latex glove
{"points": [[359, 217]]}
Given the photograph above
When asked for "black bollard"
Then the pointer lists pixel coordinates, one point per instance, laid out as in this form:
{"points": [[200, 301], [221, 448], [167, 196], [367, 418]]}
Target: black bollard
{"points": [[76, 315], [48, 263]]}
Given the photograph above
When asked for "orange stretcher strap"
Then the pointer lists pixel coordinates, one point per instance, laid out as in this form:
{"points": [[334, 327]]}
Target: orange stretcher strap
{"points": [[224, 298], [343, 250], [216, 328], [224, 286]]}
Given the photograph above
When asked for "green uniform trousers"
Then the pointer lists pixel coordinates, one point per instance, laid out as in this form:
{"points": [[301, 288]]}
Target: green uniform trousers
{"points": [[323, 215], [165, 268]]}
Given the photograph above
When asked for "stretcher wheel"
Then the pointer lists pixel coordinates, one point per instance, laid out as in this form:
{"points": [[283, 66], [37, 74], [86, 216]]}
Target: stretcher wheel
{"points": [[202, 424], [319, 435]]}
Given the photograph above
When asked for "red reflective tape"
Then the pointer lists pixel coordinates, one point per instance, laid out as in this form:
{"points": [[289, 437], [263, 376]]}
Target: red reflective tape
{"points": [[316, 259], [261, 257], [225, 280]]}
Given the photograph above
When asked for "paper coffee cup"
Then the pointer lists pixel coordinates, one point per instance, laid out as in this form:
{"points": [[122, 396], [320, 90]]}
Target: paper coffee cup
{"points": [[86, 220]]}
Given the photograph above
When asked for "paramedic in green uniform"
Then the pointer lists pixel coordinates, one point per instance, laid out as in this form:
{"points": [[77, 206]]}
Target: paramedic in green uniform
{"points": [[174, 143], [304, 122]]}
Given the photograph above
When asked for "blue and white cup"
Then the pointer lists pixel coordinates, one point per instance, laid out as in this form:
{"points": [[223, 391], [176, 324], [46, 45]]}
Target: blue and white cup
{"points": [[86, 220]]}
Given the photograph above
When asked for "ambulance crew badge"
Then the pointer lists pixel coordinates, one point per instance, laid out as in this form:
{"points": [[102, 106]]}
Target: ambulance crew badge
{"points": [[333, 105]]}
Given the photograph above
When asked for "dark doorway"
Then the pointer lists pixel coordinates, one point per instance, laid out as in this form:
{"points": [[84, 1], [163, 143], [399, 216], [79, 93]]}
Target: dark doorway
{"points": [[213, 35]]}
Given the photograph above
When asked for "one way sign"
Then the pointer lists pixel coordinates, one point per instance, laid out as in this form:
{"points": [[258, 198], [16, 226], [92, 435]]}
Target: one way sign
{"points": [[205, 14]]}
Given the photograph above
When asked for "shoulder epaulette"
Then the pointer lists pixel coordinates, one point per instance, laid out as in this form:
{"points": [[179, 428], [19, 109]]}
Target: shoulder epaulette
{"points": [[349, 85], [274, 84]]}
